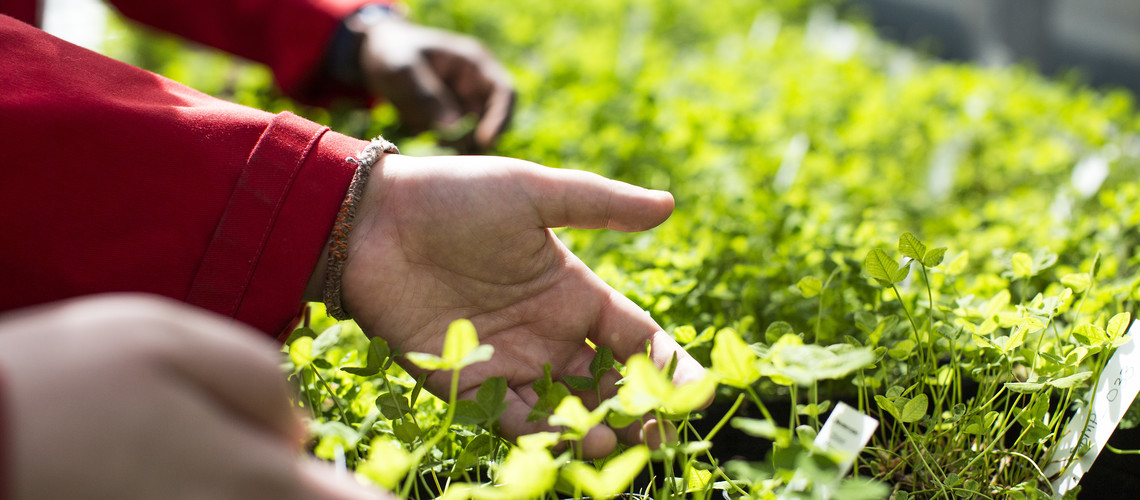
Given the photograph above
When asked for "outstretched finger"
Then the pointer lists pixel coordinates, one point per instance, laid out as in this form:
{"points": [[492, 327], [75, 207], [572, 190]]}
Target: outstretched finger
{"points": [[574, 198], [627, 329], [500, 106]]}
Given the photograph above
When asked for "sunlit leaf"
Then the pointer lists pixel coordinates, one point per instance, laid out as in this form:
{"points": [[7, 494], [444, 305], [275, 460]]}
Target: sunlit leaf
{"points": [[1022, 265], [526, 473], [572, 414], [881, 267], [732, 360], [958, 265], [1118, 325], [914, 409], [934, 257], [1079, 282], [301, 352], [1071, 381], [613, 478], [809, 286], [911, 247], [387, 463], [378, 352]]}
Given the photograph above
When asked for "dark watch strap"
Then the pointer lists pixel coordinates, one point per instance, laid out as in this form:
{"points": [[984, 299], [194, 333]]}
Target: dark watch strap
{"points": [[342, 61]]}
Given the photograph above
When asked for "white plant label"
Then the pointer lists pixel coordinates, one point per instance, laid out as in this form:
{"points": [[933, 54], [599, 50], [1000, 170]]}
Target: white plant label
{"points": [[847, 432], [1116, 389]]}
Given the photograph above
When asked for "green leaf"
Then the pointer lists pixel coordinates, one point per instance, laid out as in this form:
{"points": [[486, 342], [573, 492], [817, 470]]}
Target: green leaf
{"points": [[550, 394], [776, 330], [580, 383], [934, 257], [461, 346], [901, 273], [866, 321], [810, 286], [378, 352], [1090, 334], [406, 430], [902, 349], [426, 361], [1022, 265], [301, 352], [490, 396], [766, 429], [887, 405], [460, 349], [393, 406], [959, 264], [300, 332], [573, 414], [460, 341], [603, 362], [1079, 282], [613, 478], [732, 360], [1031, 325], [881, 267], [996, 304], [1071, 381], [1024, 387], [387, 463], [914, 409], [527, 472], [911, 247], [858, 488], [1118, 325], [682, 334], [468, 412], [478, 447]]}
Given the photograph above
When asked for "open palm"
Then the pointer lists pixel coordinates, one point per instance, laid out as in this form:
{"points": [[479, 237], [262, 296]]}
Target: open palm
{"points": [[439, 239]]}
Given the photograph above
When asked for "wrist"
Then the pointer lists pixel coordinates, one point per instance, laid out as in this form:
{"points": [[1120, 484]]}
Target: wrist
{"points": [[337, 248], [314, 290]]}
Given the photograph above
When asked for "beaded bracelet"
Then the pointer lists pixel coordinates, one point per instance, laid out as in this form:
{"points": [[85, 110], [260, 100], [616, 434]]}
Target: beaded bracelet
{"points": [[338, 239]]}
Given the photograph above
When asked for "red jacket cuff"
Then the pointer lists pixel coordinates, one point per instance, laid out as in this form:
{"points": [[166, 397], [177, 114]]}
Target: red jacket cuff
{"points": [[275, 224]]}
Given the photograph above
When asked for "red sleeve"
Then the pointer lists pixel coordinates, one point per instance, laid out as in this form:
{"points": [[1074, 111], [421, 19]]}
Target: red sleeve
{"points": [[116, 179], [291, 36]]}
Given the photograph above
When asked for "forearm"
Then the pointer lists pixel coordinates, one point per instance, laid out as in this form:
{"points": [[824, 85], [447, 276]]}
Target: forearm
{"points": [[291, 36], [120, 180]]}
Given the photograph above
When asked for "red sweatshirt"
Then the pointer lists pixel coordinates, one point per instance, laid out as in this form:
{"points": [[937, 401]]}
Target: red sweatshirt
{"points": [[116, 179]]}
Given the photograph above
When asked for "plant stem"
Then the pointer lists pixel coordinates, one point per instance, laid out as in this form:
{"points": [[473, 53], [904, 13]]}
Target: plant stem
{"points": [[1119, 451], [813, 395], [918, 450], [759, 403], [426, 447], [913, 325], [332, 395], [724, 420], [822, 292]]}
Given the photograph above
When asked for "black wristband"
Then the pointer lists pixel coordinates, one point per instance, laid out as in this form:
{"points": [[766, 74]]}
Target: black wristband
{"points": [[342, 60]]}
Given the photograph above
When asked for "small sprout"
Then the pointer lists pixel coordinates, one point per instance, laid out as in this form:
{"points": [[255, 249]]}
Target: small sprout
{"points": [[460, 349], [613, 478]]}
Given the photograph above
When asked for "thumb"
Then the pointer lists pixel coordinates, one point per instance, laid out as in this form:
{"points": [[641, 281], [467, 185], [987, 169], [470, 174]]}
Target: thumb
{"points": [[574, 198]]}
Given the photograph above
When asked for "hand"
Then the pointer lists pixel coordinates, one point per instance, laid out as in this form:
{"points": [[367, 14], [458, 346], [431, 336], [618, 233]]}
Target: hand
{"points": [[438, 239], [434, 78], [133, 397]]}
